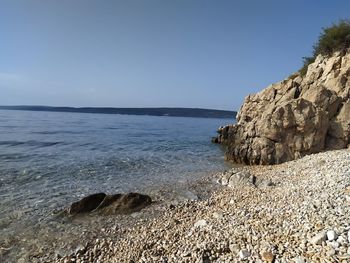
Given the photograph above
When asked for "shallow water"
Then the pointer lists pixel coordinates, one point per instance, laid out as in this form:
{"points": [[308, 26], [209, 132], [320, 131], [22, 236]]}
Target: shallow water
{"points": [[49, 159]]}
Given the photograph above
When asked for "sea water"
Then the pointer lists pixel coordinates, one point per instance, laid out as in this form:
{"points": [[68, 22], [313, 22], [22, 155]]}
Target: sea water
{"points": [[50, 159]]}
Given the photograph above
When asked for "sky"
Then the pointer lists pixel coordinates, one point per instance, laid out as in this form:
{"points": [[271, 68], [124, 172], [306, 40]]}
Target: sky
{"points": [[154, 53]]}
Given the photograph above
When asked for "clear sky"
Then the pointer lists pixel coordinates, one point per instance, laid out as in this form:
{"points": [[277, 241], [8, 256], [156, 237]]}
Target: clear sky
{"points": [[154, 53]]}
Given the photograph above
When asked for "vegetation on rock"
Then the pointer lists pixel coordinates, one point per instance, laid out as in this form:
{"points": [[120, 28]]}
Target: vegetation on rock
{"points": [[332, 39]]}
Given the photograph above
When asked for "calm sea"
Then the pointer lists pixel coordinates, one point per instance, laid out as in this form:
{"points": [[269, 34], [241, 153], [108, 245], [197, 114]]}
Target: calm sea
{"points": [[49, 159]]}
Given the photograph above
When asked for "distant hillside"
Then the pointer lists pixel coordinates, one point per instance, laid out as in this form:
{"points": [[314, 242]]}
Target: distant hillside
{"points": [[174, 112]]}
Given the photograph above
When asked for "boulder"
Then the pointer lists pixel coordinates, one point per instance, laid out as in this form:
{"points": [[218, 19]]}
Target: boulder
{"points": [[110, 204], [126, 204], [241, 179], [87, 204], [236, 178], [298, 116]]}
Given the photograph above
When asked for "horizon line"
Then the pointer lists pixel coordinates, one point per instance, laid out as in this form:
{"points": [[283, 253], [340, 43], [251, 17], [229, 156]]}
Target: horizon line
{"points": [[113, 107]]}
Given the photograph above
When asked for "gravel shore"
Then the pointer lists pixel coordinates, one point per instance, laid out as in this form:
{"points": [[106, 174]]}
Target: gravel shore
{"points": [[302, 214]]}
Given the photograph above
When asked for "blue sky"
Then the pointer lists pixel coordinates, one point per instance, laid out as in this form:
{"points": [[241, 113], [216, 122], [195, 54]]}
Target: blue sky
{"points": [[153, 53]]}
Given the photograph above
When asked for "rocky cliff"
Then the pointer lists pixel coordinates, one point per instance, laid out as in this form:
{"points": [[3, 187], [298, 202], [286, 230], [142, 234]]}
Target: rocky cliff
{"points": [[298, 116]]}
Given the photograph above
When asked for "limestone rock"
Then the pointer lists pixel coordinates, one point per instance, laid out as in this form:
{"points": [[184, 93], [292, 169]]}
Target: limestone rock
{"points": [[298, 116]]}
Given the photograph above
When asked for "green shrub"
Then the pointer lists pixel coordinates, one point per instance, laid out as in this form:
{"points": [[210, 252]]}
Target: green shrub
{"points": [[332, 39]]}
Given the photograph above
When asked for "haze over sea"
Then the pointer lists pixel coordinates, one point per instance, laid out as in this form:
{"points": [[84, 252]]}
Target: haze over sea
{"points": [[50, 159]]}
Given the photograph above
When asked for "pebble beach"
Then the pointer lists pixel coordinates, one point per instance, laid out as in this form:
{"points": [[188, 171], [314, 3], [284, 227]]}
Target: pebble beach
{"points": [[299, 212]]}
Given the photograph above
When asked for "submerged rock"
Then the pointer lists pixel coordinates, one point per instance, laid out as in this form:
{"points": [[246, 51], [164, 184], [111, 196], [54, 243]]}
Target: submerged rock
{"points": [[110, 204], [125, 203], [87, 204], [298, 116]]}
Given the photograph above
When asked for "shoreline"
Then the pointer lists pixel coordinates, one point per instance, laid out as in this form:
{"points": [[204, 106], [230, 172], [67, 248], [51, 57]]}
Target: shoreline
{"points": [[303, 216], [61, 235]]}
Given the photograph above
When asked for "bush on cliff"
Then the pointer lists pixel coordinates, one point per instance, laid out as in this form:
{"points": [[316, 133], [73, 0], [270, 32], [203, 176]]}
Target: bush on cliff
{"points": [[332, 39]]}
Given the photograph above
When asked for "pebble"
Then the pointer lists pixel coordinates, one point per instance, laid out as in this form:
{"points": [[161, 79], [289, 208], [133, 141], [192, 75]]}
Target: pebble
{"points": [[268, 257], [244, 254], [303, 217], [331, 235], [200, 223], [318, 239], [299, 260], [217, 215]]}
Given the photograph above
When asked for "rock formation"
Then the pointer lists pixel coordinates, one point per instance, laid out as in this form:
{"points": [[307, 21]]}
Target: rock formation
{"points": [[298, 116]]}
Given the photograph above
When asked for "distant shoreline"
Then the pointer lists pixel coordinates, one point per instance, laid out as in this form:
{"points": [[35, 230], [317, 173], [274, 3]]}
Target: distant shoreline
{"points": [[169, 112]]}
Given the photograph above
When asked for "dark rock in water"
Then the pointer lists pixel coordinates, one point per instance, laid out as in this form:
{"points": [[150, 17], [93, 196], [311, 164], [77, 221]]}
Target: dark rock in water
{"points": [[215, 139], [111, 204], [125, 204], [108, 200], [87, 204]]}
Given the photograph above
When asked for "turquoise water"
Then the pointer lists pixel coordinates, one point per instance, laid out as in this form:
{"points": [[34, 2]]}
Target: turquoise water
{"points": [[49, 159]]}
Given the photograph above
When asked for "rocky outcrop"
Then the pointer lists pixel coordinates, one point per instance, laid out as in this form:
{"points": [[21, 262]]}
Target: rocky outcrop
{"points": [[294, 117], [110, 204]]}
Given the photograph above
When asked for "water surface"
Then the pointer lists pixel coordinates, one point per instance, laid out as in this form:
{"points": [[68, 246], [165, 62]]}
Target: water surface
{"points": [[50, 159]]}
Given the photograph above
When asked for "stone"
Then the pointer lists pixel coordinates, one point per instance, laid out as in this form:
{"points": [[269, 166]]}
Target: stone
{"points": [[217, 215], [331, 235], [225, 178], [87, 204], [299, 260], [341, 240], [267, 256], [110, 204], [334, 244], [318, 239], [125, 204], [200, 223], [295, 117], [331, 252], [242, 178], [243, 254]]}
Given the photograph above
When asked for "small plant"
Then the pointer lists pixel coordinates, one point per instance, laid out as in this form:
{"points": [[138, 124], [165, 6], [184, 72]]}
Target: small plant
{"points": [[332, 39]]}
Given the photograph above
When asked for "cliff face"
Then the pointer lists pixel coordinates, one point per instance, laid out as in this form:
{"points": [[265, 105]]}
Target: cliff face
{"points": [[294, 117]]}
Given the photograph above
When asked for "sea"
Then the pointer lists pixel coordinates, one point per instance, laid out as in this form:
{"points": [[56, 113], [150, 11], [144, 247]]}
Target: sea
{"points": [[51, 159]]}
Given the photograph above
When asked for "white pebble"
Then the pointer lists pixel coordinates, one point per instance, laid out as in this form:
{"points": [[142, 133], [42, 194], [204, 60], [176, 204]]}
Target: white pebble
{"points": [[331, 235], [317, 240], [243, 254], [200, 223]]}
